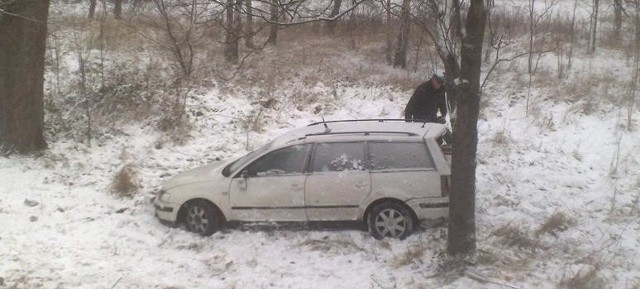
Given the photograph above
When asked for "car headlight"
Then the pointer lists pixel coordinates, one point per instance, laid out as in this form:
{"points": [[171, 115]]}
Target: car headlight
{"points": [[164, 196]]}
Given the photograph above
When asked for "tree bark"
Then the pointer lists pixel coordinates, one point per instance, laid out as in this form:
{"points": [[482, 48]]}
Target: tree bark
{"points": [[462, 227], [594, 26], [117, 9], [248, 29], [92, 8], [389, 47], [400, 57], [617, 23], [273, 27], [231, 45], [23, 34], [331, 25]]}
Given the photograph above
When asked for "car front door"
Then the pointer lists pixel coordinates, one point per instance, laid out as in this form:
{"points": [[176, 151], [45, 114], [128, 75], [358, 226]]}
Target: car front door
{"points": [[337, 182], [271, 188]]}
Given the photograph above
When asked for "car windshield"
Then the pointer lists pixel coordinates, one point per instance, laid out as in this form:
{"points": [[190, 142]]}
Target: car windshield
{"points": [[239, 163]]}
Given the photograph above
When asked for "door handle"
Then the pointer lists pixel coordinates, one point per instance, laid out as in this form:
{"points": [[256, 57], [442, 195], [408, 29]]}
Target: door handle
{"points": [[360, 185]]}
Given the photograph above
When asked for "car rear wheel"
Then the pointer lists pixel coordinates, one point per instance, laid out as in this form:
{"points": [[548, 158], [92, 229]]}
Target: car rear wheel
{"points": [[390, 220], [202, 218]]}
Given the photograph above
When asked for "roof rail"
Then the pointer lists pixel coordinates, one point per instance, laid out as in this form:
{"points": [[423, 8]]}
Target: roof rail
{"points": [[361, 132], [368, 120]]}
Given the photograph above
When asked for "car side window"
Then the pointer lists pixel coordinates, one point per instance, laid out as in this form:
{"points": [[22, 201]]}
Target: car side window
{"points": [[285, 161], [400, 155], [338, 157]]}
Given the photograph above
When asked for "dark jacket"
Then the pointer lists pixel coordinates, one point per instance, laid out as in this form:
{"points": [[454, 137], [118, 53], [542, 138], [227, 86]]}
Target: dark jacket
{"points": [[425, 102]]}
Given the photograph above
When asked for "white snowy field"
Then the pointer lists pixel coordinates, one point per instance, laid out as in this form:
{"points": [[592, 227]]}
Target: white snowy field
{"points": [[558, 192], [62, 228]]}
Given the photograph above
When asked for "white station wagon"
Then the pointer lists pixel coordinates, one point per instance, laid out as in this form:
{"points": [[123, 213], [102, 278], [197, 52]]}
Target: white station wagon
{"points": [[389, 174]]}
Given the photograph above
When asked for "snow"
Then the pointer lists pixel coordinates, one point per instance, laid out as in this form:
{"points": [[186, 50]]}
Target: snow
{"points": [[62, 227], [81, 236]]}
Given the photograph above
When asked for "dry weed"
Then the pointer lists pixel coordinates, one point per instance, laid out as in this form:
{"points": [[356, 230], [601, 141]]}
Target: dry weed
{"points": [[125, 183], [585, 279], [557, 222], [501, 140], [329, 245], [516, 236], [414, 252]]}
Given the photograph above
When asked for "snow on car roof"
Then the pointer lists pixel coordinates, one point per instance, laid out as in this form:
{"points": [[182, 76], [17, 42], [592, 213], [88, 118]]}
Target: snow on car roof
{"points": [[387, 126]]}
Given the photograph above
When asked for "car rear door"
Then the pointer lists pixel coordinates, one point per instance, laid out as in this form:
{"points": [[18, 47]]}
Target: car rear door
{"points": [[403, 169], [337, 182]]}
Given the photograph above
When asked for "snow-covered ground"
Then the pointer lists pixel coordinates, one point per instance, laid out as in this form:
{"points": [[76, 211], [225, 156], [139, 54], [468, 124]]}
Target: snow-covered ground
{"points": [[558, 197], [62, 228]]}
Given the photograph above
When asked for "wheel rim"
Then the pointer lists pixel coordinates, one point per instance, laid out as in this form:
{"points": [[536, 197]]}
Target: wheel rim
{"points": [[197, 219], [390, 223]]}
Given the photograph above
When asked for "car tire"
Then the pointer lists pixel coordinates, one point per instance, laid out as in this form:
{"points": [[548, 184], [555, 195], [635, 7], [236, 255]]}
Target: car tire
{"points": [[390, 220], [201, 217]]}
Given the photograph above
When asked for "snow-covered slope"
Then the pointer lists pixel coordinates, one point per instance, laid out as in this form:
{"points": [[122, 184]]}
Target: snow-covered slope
{"points": [[62, 228]]}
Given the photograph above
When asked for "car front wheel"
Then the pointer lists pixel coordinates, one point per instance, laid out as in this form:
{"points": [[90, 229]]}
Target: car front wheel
{"points": [[391, 220], [202, 218]]}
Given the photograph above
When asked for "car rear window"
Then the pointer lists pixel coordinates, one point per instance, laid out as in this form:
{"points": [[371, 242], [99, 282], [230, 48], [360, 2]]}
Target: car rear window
{"points": [[400, 155]]}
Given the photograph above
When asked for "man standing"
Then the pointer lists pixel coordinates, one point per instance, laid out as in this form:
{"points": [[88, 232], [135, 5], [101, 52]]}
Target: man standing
{"points": [[426, 100]]}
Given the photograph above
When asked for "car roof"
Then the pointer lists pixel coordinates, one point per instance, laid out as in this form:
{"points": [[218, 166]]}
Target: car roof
{"points": [[365, 127]]}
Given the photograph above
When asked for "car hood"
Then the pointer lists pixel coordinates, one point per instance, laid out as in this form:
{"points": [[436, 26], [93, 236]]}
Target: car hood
{"points": [[206, 173]]}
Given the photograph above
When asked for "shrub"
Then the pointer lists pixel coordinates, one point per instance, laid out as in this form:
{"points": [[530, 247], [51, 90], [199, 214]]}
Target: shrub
{"points": [[125, 183]]}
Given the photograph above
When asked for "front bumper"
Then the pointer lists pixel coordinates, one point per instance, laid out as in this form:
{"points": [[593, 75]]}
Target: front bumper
{"points": [[167, 213]]}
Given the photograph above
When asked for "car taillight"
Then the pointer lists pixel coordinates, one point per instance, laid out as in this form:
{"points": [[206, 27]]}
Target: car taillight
{"points": [[445, 185]]}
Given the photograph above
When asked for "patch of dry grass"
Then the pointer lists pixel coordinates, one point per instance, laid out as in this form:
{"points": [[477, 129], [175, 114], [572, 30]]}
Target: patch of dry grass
{"points": [[332, 245], [586, 278], [516, 236], [413, 254], [557, 222], [125, 182]]}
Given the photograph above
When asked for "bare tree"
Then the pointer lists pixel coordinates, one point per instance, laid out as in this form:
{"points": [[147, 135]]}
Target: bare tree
{"points": [[389, 46], [594, 26], [23, 34], [572, 39], [462, 228], [273, 25], [178, 22], [233, 29], [117, 9], [400, 55], [248, 27], [331, 24], [92, 8], [617, 23], [463, 88], [636, 72], [534, 20]]}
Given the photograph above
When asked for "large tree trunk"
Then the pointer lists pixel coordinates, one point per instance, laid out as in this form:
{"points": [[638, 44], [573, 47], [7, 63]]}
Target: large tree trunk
{"points": [[462, 226], [23, 35], [331, 25], [400, 57]]}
